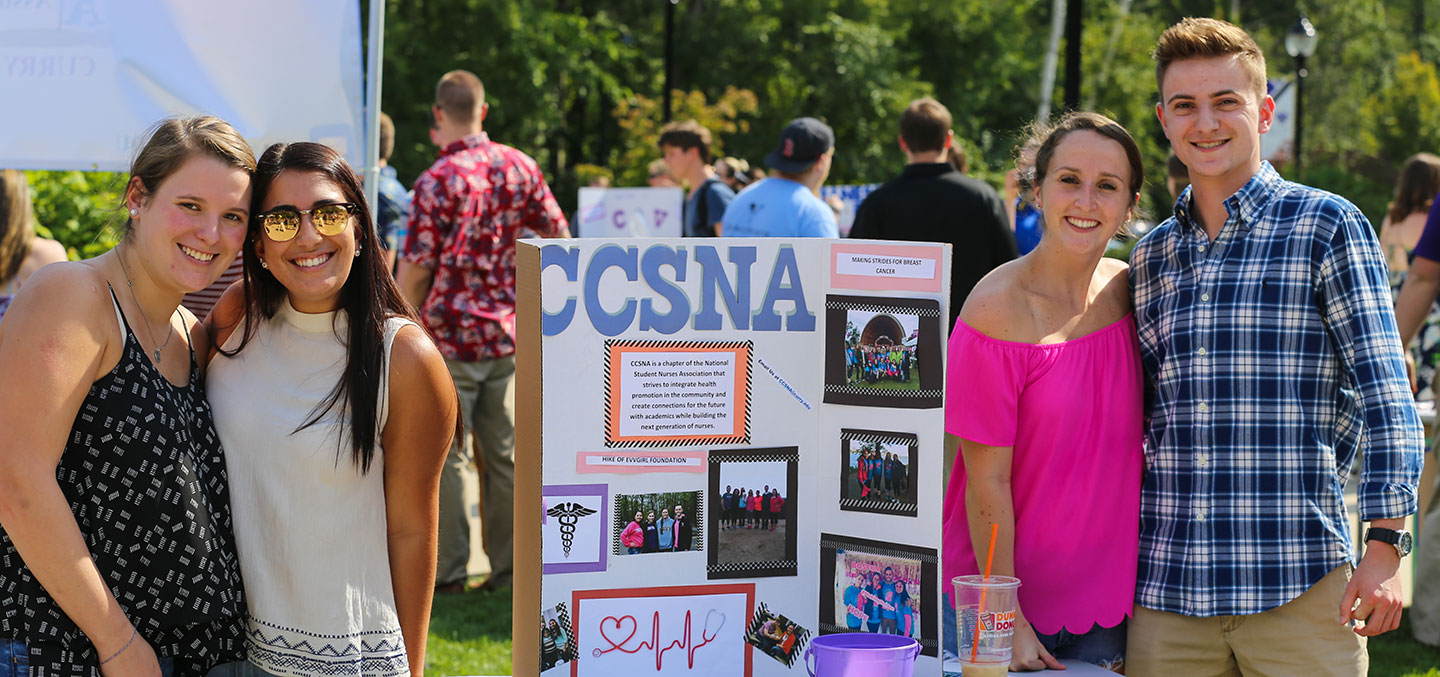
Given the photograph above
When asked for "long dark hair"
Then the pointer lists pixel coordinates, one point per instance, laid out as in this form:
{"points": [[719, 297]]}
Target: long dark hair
{"points": [[369, 295], [1419, 181]]}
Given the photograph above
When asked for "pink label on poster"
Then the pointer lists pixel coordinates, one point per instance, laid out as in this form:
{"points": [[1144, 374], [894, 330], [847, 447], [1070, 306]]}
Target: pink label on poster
{"points": [[888, 267], [630, 462]]}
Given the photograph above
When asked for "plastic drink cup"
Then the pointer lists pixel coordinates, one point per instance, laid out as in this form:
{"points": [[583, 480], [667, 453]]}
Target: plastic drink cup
{"points": [[987, 628], [968, 669]]}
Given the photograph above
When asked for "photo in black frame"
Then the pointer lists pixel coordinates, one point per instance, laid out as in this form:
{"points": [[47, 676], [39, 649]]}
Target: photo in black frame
{"points": [[759, 541], [878, 471], [845, 561], [883, 352]]}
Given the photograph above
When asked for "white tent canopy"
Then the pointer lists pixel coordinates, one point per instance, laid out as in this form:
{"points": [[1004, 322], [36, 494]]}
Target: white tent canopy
{"points": [[81, 81]]}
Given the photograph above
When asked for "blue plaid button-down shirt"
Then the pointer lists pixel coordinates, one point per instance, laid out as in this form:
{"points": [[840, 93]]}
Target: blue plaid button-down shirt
{"points": [[1271, 358]]}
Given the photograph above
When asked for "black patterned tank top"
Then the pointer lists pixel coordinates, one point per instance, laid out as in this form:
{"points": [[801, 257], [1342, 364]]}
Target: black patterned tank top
{"points": [[145, 477]]}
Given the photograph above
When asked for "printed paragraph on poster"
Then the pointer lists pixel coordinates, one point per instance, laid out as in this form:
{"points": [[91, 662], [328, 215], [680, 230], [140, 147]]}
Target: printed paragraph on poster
{"points": [[677, 393]]}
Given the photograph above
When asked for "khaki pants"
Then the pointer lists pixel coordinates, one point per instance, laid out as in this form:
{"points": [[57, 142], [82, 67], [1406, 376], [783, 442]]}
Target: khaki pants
{"points": [[487, 408], [1301, 637]]}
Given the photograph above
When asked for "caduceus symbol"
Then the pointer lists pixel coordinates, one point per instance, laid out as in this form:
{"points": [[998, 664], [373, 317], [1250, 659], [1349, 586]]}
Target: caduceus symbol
{"points": [[568, 514]]}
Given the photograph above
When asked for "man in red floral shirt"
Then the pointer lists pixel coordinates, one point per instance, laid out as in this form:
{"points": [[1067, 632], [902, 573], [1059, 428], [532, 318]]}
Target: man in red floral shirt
{"points": [[459, 270]]}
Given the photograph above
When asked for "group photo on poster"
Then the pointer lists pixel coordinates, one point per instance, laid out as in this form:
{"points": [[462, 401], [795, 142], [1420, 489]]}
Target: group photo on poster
{"points": [[878, 471], [658, 523], [879, 588], [883, 352], [752, 512]]}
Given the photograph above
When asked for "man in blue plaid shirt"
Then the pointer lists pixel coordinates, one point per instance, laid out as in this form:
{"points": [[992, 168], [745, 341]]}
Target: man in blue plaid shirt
{"points": [[1271, 360]]}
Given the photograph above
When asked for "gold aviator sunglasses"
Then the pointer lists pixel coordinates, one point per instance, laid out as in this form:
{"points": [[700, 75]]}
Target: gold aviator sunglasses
{"points": [[283, 223]]}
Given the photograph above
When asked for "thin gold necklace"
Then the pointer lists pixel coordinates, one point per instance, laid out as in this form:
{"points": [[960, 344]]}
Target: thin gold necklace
{"points": [[119, 256]]}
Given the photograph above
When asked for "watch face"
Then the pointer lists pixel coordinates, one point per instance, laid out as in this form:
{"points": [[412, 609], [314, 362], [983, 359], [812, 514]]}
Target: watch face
{"points": [[1406, 542]]}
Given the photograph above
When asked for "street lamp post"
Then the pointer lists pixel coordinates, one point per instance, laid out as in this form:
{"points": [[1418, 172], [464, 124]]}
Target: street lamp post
{"points": [[1300, 44], [669, 55]]}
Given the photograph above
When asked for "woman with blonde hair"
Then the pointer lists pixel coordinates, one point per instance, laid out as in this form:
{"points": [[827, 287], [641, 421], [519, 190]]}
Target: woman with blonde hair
{"points": [[21, 253], [116, 550]]}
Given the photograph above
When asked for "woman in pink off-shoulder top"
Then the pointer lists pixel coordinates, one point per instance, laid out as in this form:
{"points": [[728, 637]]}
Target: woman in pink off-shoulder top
{"points": [[1045, 394]]}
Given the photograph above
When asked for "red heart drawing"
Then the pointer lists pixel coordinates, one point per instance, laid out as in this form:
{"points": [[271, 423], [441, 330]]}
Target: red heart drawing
{"points": [[618, 622]]}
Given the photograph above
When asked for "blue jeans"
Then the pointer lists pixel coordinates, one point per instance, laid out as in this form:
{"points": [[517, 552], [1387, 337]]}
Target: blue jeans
{"points": [[1100, 646], [632, 551], [15, 660]]}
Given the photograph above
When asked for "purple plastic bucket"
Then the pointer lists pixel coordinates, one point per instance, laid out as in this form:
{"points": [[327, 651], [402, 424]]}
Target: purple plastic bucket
{"points": [[860, 654]]}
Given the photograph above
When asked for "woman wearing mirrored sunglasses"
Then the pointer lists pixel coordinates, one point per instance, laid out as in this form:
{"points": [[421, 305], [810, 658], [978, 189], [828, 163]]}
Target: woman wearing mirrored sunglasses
{"points": [[116, 552], [336, 412]]}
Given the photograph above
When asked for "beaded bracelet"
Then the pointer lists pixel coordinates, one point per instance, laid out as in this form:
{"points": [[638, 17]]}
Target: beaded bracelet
{"points": [[133, 632]]}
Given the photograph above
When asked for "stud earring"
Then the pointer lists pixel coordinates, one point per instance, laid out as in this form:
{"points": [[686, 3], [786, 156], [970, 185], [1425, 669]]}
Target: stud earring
{"points": [[264, 265], [134, 212], [357, 251]]}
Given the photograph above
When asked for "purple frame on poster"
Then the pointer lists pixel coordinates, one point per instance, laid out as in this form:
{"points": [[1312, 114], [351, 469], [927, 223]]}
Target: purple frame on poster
{"points": [[603, 490]]}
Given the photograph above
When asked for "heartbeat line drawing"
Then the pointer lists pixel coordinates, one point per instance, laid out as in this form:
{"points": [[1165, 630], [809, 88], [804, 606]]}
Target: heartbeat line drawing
{"points": [[568, 514], [687, 641]]}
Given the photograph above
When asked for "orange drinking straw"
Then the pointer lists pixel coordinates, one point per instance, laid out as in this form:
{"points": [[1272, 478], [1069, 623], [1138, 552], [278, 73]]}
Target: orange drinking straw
{"points": [[989, 559]]}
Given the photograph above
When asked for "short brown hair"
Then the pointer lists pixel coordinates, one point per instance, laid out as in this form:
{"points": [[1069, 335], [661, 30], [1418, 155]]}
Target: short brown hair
{"points": [[686, 135], [924, 125], [387, 136], [1202, 38], [173, 141], [460, 94], [1419, 182], [1051, 136]]}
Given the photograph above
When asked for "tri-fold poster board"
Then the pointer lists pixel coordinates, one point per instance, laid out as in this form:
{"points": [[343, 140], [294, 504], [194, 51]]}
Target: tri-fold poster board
{"points": [[726, 448]]}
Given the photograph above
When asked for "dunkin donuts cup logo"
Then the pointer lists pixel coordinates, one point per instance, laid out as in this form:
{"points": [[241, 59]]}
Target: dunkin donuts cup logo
{"points": [[1002, 621]]}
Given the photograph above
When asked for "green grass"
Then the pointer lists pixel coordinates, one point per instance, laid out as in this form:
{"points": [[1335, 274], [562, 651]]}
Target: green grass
{"points": [[470, 635], [887, 384], [1397, 654]]}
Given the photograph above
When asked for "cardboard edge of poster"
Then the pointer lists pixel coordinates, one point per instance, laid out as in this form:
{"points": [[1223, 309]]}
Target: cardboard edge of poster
{"points": [[529, 427]]}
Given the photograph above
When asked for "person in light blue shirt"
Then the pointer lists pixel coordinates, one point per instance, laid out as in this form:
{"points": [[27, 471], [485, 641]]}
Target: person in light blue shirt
{"points": [[667, 531], [855, 615], [787, 203]]}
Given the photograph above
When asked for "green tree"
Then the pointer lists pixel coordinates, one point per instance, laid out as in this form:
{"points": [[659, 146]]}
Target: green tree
{"points": [[81, 210], [1404, 116], [639, 119]]}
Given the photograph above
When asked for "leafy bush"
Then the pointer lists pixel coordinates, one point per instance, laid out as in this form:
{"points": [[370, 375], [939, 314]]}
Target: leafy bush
{"points": [[81, 210]]}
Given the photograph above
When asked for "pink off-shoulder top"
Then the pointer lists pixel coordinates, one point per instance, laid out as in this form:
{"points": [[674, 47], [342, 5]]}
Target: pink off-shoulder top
{"points": [[1072, 413]]}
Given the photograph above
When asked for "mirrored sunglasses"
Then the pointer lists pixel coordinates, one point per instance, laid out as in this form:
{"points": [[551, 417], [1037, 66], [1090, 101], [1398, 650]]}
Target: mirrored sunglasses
{"points": [[283, 223]]}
